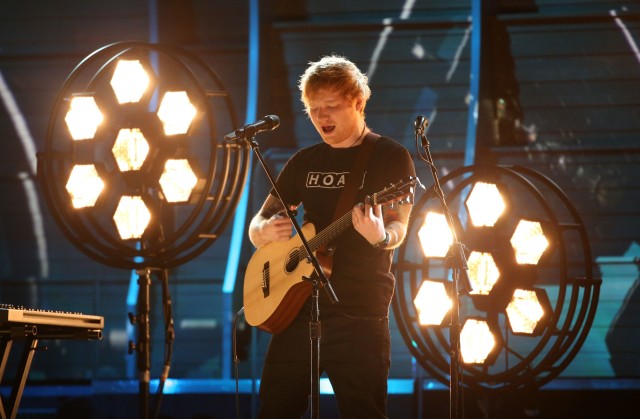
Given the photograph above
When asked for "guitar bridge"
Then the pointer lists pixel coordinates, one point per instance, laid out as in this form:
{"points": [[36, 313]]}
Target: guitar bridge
{"points": [[265, 279]]}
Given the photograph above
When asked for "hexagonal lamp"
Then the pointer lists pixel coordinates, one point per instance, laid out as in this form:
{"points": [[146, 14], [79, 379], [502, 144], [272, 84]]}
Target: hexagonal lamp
{"points": [[476, 341], [176, 113], [129, 81], [435, 235], [177, 180], [526, 310], [83, 118], [131, 217], [485, 204], [130, 149], [84, 185], [529, 242], [432, 302], [483, 272]]}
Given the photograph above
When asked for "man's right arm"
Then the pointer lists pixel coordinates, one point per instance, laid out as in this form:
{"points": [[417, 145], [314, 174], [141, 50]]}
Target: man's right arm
{"points": [[269, 224]]}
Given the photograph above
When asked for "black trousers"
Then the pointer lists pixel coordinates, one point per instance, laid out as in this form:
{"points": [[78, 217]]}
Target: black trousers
{"points": [[354, 354]]}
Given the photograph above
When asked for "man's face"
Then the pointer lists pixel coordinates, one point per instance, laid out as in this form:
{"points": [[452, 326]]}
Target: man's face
{"points": [[337, 120]]}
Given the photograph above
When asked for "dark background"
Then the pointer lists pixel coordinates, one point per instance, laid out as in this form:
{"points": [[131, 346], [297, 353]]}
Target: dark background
{"points": [[567, 70]]}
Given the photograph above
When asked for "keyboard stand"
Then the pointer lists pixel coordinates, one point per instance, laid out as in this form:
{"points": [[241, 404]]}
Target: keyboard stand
{"points": [[30, 334], [30, 346]]}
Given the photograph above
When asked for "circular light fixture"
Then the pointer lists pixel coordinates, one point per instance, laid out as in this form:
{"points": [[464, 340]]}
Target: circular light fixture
{"points": [[109, 141], [533, 295]]}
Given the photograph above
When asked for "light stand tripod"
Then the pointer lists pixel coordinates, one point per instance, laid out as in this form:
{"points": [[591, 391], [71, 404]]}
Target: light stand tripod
{"points": [[316, 279], [142, 347], [456, 260]]}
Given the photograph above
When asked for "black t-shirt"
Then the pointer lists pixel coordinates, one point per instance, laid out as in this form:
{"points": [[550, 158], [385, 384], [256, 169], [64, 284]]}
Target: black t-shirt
{"points": [[315, 176]]}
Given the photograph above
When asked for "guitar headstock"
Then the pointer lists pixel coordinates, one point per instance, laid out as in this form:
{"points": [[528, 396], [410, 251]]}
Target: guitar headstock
{"points": [[401, 191]]}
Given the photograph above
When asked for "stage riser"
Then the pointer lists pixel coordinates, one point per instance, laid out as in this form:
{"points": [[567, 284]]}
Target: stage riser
{"points": [[433, 405]]}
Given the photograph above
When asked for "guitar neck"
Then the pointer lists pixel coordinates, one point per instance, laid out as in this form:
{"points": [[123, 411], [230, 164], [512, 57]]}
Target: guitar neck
{"points": [[331, 232], [341, 224]]}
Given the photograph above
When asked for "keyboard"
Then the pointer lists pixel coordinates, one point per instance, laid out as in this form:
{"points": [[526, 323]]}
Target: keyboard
{"points": [[42, 321]]}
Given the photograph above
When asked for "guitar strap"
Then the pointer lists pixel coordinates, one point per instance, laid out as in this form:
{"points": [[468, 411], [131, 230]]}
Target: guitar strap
{"points": [[348, 195]]}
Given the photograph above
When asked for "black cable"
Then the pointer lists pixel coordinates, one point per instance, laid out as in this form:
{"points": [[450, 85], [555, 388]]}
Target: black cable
{"points": [[235, 359], [169, 337]]}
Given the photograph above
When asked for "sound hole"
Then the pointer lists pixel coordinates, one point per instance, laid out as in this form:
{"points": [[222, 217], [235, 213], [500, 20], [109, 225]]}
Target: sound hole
{"points": [[293, 260]]}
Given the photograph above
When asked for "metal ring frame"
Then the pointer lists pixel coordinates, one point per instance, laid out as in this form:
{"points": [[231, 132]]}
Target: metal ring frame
{"points": [[178, 232], [565, 270]]}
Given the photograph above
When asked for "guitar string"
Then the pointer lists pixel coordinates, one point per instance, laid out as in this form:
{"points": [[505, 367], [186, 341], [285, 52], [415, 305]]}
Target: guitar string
{"points": [[332, 231], [339, 225], [326, 235]]}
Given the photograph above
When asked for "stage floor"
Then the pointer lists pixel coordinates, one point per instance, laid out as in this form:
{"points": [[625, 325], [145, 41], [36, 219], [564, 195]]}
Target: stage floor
{"points": [[216, 399]]}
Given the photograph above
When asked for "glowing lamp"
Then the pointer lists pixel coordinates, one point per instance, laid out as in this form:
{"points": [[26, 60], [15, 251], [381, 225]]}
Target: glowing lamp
{"points": [[84, 185], [83, 118], [177, 180], [432, 303], [129, 81], [176, 113], [529, 242], [524, 311], [435, 235], [131, 217], [483, 272], [130, 149], [476, 341], [485, 204]]}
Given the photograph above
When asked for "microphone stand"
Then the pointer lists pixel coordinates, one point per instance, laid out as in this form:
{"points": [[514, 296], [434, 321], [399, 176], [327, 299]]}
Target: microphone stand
{"points": [[316, 279], [456, 260]]}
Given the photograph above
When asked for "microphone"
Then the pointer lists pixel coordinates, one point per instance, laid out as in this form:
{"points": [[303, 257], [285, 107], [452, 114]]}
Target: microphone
{"points": [[268, 123], [420, 124]]}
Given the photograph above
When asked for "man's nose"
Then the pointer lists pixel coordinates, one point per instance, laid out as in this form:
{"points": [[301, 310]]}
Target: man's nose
{"points": [[322, 113]]}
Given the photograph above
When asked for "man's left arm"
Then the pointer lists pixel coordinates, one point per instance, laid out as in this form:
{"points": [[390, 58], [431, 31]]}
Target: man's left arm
{"points": [[383, 229]]}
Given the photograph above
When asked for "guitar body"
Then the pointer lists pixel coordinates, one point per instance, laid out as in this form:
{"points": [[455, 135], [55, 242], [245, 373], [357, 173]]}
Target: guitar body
{"points": [[274, 290]]}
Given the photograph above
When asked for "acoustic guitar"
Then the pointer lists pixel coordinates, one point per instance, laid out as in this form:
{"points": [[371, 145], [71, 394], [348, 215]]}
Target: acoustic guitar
{"points": [[274, 283]]}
